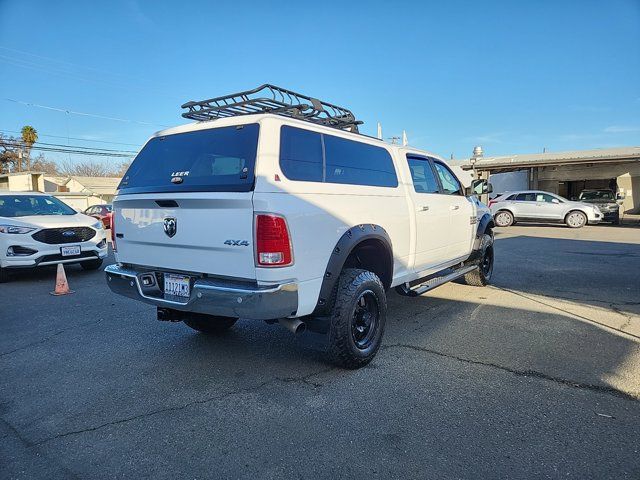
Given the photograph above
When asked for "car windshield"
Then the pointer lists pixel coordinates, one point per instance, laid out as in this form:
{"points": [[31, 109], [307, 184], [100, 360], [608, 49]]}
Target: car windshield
{"points": [[30, 205], [596, 195]]}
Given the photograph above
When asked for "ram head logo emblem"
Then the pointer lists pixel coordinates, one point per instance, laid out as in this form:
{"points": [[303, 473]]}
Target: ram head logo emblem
{"points": [[170, 226]]}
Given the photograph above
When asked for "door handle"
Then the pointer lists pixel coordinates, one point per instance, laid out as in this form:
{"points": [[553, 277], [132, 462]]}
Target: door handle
{"points": [[454, 207], [423, 208]]}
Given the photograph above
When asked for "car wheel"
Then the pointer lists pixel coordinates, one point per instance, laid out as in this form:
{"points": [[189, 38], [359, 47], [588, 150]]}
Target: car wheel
{"points": [[576, 219], [4, 276], [91, 264], [481, 276], [357, 319], [504, 218], [209, 324]]}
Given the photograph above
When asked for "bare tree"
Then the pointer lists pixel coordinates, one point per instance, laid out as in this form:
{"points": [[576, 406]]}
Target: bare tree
{"points": [[9, 158], [86, 168], [41, 164], [122, 168]]}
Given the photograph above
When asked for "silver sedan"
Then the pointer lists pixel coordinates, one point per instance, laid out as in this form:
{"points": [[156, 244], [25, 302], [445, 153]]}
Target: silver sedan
{"points": [[537, 206]]}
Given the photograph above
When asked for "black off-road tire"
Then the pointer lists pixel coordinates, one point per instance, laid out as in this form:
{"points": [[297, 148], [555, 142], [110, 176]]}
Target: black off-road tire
{"points": [[4, 276], [209, 324], [481, 276], [91, 264], [503, 218], [355, 288]]}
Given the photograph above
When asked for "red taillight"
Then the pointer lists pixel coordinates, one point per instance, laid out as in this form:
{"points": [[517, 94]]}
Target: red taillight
{"points": [[113, 233], [273, 245]]}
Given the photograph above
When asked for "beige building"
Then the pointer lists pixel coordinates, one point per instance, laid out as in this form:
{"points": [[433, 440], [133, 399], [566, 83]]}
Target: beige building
{"points": [[22, 182], [83, 192], [77, 192]]}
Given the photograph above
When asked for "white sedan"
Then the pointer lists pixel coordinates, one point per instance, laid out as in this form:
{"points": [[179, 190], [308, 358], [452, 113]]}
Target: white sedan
{"points": [[537, 206], [38, 229]]}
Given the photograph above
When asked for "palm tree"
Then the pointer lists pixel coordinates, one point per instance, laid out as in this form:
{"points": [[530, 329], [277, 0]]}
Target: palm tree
{"points": [[29, 137]]}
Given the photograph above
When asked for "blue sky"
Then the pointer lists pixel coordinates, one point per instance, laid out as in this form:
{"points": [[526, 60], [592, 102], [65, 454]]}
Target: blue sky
{"points": [[512, 76]]}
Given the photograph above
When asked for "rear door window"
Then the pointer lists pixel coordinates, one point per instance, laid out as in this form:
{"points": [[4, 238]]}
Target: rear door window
{"points": [[216, 159], [526, 197], [424, 181]]}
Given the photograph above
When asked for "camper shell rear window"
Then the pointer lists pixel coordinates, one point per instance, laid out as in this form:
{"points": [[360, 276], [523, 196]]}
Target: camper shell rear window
{"points": [[211, 160]]}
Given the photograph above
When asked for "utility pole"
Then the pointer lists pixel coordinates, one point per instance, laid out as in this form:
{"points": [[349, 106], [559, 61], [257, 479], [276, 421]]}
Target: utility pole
{"points": [[19, 159]]}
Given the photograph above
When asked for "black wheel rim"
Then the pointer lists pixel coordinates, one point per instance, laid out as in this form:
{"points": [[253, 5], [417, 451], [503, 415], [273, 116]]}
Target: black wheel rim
{"points": [[487, 262], [364, 321]]}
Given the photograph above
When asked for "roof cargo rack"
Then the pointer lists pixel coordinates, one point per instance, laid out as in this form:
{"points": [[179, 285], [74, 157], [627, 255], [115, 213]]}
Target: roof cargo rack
{"points": [[271, 99]]}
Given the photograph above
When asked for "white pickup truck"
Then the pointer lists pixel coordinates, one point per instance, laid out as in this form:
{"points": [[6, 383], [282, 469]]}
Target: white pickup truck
{"points": [[272, 207]]}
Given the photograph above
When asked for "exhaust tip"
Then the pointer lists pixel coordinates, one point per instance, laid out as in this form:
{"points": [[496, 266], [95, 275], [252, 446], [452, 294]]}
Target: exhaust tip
{"points": [[294, 325]]}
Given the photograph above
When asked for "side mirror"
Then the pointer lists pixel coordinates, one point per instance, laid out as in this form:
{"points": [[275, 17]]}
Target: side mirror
{"points": [[620, 196], [479, 187], [573, 199]]}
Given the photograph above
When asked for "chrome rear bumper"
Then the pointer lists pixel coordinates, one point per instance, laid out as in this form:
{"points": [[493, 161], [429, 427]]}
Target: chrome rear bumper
{"points": [[209, 296]]}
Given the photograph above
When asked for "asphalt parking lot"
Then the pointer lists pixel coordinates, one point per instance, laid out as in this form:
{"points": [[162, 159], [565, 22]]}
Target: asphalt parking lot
{"points": [[535, 376]]}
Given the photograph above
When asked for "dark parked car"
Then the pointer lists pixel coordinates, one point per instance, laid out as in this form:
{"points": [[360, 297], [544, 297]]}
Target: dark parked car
{"points": [[605, 200], [102, 213]]}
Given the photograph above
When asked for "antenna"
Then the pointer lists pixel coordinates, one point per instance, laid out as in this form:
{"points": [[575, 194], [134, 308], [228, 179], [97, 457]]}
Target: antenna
{"points": [[405, 141], [379, 130]]}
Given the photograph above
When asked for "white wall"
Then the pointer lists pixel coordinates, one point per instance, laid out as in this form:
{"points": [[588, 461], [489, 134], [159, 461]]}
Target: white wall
{"points": [[78, 202], [508, 182]]}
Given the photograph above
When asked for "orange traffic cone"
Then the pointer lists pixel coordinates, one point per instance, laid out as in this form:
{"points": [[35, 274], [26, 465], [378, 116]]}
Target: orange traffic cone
{"points": [[62, 287]]}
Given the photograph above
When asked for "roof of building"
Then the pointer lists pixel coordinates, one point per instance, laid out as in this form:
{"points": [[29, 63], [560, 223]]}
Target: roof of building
{"points": [[58, 180], [15, 174], [99, 185], [555, 158]]}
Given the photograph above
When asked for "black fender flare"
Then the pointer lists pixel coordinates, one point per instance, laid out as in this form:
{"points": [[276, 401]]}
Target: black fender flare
{"points": [[347, 243], [485, 224]]}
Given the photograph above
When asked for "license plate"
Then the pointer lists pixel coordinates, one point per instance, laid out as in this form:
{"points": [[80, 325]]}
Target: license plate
{"points": [[177, 285], [70, 251]]}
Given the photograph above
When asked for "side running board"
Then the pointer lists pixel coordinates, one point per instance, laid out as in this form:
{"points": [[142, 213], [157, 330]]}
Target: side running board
{"points": [[433, 282]]}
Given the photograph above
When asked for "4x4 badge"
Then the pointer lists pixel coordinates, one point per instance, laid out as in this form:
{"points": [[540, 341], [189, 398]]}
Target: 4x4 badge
{"points": [[170, 226]]}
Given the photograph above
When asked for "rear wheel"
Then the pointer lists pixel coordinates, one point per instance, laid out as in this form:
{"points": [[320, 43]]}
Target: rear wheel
{"points": [[576, 219], [357, 319], [504, 218], [210, 324], [91, 264]]}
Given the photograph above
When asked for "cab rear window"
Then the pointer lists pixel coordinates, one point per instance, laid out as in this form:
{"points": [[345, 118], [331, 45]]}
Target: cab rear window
{"points": [[212, 160]]}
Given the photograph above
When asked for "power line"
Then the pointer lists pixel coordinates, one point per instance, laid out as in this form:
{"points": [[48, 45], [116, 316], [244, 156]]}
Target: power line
{"points": [[75, 71], [73, 138], [85, 114], [24, 144], [82, 152], [73, 149]]}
